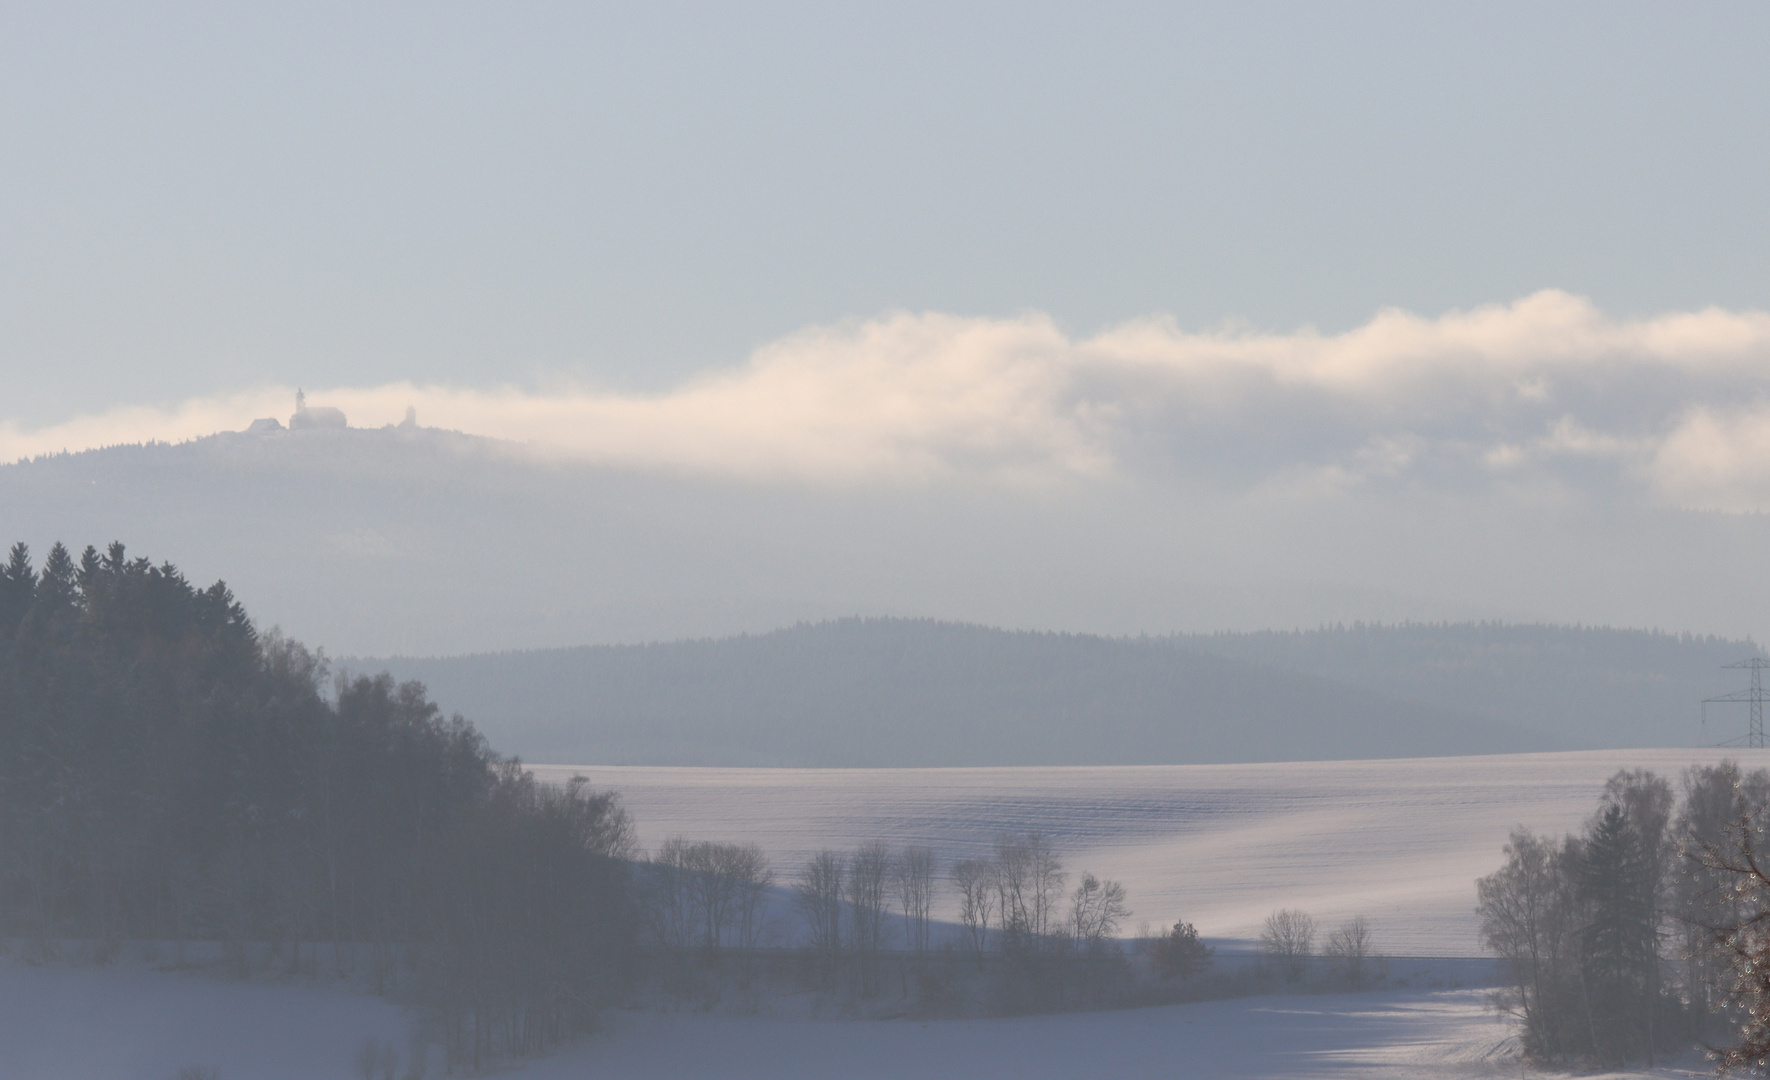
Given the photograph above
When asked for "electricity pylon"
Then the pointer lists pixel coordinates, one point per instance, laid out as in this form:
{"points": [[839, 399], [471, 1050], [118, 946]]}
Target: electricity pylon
{"points": [[1754, 736]]}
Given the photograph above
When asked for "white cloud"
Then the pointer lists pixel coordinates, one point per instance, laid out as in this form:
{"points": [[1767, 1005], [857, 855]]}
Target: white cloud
{"points": [[1669, 405], [1716, 458], [141, 423]]}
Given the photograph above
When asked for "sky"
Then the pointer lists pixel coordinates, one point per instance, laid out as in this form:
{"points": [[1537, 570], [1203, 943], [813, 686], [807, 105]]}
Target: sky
{"points": [[1359, 268], [199, 199]]}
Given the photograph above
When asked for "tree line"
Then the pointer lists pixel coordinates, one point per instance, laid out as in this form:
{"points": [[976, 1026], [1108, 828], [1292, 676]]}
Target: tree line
{"points": [[1013, 904], [171, 774], [1645, 931], [857, 924], [856, 917]]}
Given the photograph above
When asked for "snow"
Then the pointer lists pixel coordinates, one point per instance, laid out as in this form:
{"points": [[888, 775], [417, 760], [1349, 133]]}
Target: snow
{"points": [[135, 1022], [1398, 841], [1402, 1036], [140, 1024]]}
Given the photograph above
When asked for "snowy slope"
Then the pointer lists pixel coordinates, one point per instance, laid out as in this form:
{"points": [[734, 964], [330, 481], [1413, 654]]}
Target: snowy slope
{"points": [[1387, 1036], [1399, 841], [135, 1024], [131, 1022]]}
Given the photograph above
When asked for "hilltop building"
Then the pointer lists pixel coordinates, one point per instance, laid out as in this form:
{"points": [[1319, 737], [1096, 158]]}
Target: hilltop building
{"points": [[316, 416]]}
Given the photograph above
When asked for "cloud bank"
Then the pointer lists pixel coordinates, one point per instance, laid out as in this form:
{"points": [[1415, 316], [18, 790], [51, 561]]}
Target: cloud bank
{"points": [[1674, 408]]}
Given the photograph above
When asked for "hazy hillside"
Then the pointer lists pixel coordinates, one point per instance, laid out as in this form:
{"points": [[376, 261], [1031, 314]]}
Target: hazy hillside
{"points": [[918, 692], [425, 542], [1590, 686], [898, 692]]}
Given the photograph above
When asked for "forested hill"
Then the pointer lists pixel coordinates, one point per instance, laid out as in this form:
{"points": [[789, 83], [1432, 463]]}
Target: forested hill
{"points": [[900, 692]]}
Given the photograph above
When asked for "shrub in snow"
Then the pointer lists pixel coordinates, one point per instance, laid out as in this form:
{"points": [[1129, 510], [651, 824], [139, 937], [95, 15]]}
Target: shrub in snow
{"points": [[1180, 954]]}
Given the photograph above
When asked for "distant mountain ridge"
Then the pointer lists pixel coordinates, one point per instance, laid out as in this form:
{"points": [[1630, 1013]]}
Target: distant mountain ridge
{"points": [[1597, 687], [913, 692], [387, 541], [417, 541]]}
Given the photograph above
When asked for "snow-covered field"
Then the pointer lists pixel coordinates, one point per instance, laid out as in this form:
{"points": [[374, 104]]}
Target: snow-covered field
{"points": [[1399, 841], [134, 1024], [1393, 1036]]}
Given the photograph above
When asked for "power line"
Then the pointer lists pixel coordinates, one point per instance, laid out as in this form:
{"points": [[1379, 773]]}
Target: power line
{"points": [[1754, 736]]}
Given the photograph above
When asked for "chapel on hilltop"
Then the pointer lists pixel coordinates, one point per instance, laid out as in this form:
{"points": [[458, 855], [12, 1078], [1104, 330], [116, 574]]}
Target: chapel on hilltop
{"points": [[315, 416]]}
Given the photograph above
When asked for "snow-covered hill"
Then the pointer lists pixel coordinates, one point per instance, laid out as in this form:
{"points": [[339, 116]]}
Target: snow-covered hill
{"points": [[1399, 841]]}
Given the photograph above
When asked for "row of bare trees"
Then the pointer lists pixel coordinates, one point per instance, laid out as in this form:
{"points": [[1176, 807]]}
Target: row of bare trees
{"points": [[1013, 900], [1287, 944], [706, 895], [846, 902], [1011, 905], [859, 923], [711, 896]]}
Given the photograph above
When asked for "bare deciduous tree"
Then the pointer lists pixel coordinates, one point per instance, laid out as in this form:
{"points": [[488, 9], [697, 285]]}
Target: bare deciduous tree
{"points": [[706, 893], [1096, 910], [1529, 918], [869, 880], [913, 876], [748, 868], [817, 893], [1352, 949], [669, 896], [976, 882], [1029, 888], [712, 894], [1287, 940]]}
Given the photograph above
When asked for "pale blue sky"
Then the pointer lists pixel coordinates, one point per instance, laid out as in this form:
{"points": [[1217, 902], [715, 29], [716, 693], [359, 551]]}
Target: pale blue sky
{"points": [[196, 199]]}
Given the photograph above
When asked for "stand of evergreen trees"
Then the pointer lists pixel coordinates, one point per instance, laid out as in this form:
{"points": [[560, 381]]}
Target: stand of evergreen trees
{"points": [[171, 774]]}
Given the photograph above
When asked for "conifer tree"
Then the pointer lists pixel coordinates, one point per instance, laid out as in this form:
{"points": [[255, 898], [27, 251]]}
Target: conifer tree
{"points": [[18, 583], [1620, 940]]}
